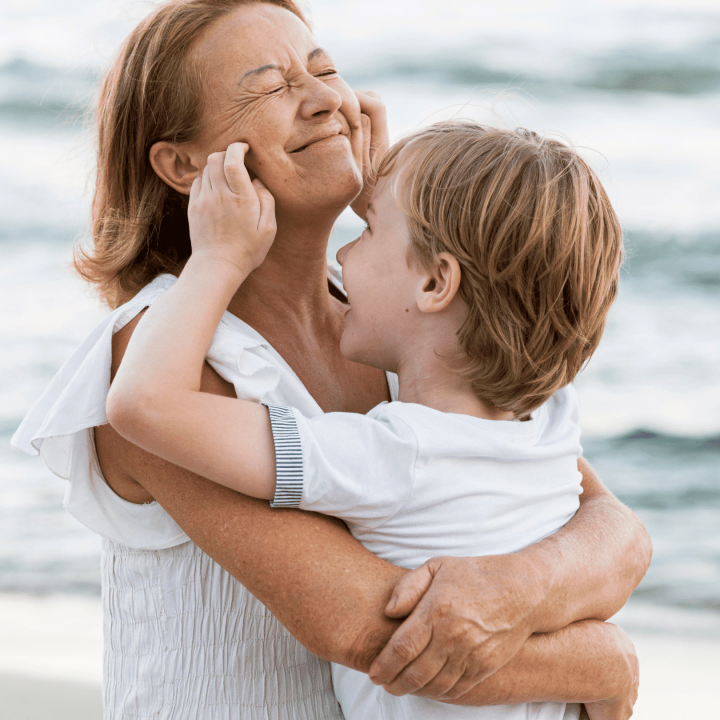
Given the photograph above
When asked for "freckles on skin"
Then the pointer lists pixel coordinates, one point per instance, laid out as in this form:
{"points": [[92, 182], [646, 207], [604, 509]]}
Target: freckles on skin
{"points": [[238, 120], [265, 84]]}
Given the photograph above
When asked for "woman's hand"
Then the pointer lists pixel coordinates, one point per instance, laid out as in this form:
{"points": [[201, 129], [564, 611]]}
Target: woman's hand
{"points": [[231, 218], [467, 618], [375, 144], [627, 679], [483, 608]]}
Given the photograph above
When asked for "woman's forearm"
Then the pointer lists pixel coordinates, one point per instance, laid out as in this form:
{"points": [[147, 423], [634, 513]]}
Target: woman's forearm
{"points": [[588, 661], [327, 589], [592, 565], [330, 592]]}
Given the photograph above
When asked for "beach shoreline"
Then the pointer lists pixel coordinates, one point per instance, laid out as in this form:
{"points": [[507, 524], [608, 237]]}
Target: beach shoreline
{"points": [[25, 697]]}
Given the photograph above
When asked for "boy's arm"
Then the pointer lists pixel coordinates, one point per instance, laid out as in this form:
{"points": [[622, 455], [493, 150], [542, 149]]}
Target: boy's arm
{"points": [[155, 400]]}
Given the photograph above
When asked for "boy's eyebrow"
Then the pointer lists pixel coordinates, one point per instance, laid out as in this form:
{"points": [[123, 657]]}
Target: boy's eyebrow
{"points": [[263, 68]]}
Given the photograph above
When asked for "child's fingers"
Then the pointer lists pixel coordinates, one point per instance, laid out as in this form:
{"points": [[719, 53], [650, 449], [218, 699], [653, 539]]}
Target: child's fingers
{"points": [[196, 189], [367, 134], [205, 181], [372, 105], [215, 171], [266, 221], [195, 193], [236, 174]]}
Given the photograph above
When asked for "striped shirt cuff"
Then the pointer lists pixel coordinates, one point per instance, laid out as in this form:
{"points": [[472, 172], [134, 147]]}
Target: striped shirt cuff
{"points": [[288, 458]]}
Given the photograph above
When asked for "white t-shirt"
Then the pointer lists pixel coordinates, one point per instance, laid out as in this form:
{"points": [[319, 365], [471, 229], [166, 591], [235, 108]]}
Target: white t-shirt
{"points": [[413, 483]]}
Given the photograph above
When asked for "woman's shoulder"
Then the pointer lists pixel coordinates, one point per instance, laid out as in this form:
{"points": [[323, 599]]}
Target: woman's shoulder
{"points": [[60, 427]]}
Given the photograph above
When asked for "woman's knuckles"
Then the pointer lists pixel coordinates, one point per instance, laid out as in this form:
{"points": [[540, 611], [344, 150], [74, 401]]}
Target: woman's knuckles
{"points": [[411, 680], [405, 648]]}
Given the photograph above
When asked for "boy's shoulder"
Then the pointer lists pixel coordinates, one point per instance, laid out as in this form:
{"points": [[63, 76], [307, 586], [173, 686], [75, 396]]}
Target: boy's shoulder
{"points": [[552, 429]]}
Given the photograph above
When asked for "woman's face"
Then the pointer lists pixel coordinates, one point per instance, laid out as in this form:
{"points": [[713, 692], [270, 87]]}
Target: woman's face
{"points": [[266, 82]]}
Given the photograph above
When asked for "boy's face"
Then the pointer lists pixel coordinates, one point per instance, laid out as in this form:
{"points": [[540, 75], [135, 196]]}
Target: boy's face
{"points": [[381, 286]]}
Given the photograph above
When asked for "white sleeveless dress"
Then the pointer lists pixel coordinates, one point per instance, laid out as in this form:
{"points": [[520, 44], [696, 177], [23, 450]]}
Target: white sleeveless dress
{"points": [[183, 639]]}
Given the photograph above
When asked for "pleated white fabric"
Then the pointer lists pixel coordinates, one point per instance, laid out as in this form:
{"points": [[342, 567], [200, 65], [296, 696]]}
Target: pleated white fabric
{"points": [[183, 639]]}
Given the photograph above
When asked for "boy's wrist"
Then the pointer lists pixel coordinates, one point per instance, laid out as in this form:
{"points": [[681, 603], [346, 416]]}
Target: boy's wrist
{"points": [[219, 269]]}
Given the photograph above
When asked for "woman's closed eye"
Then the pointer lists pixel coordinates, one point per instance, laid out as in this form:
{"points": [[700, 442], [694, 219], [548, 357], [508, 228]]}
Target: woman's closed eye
{"points": [[324, 74]]}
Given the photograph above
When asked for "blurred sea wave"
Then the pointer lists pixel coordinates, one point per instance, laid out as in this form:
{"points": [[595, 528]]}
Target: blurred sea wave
{"points": [[639, 84]]}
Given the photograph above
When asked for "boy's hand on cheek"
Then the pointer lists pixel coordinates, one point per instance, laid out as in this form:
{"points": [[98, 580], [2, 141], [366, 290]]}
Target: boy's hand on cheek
{"points": [[232, 219], [375, 144]]}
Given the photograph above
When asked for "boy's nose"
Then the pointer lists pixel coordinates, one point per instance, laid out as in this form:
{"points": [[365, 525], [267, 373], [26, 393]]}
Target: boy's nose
{"points": [[344, 250]]}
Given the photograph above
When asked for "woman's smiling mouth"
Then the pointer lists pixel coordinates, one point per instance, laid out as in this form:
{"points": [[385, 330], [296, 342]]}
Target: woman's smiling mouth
{"points": [[322, 140]]}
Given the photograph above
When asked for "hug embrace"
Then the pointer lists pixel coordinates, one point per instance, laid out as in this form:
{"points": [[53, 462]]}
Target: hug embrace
{"points": [[434, 545]]}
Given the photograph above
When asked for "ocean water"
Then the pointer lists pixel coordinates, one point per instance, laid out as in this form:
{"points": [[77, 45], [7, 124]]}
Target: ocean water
{"points": [[634, 85]]}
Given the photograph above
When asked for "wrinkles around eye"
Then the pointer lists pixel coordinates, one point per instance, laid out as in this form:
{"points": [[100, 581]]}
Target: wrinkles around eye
{"points": [[327, 74]]}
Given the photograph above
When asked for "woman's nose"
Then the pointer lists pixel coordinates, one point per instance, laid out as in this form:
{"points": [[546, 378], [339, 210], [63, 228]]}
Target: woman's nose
{"points": [[319, 99], [343, 251]]}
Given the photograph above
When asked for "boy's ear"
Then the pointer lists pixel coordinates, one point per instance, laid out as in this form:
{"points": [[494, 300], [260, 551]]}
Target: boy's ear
{"points": [[439, 285], [175, 165]]}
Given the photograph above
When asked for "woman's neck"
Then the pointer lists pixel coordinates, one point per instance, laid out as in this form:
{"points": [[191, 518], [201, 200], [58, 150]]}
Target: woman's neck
{"points": [[287, 301], [290, 287]]}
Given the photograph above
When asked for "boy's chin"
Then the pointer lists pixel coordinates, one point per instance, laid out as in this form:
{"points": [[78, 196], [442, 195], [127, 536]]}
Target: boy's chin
{"points": [[357, 352]]}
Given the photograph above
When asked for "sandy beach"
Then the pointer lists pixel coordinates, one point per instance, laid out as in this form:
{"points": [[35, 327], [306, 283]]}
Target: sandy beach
{"points": [[50, 658], [51, 664]]}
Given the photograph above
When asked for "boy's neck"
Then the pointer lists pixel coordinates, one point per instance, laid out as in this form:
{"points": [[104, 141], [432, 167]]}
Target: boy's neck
{"points": [[428, 380]]}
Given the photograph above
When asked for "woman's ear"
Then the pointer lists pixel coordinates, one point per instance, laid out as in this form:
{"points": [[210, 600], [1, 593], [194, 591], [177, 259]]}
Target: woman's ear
{"points": [[174, 165], [440, 284]]}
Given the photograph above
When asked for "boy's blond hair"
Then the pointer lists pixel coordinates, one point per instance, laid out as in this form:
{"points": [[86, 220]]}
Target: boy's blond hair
{"points": [[538, 243]]}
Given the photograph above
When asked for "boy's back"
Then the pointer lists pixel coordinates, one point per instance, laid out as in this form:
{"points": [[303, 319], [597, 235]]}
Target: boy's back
{"points": [[413, 483]]}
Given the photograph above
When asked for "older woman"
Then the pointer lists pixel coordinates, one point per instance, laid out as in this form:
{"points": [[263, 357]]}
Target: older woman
{"points": [[185, 638]]}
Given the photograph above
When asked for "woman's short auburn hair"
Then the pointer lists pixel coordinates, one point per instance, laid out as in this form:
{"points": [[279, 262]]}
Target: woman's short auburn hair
{"points": [[538, 243], [150, 93]]}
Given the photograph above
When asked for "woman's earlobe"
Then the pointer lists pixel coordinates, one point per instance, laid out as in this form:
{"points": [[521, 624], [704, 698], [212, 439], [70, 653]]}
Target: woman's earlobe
{"points": [[174, 165]]}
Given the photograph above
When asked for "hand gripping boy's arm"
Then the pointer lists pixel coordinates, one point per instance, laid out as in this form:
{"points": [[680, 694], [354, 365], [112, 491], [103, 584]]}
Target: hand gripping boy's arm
{"points": [[330, 592], [586, 570], [155, 399]]}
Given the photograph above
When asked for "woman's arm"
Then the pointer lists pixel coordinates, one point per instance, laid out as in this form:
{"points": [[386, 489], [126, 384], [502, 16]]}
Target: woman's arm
{"points": [[587, 662], [329, 591], [441, 646], [587, 569]]}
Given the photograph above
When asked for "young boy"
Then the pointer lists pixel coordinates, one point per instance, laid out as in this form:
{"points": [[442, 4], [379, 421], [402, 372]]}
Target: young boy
{"points": [[483, 279]]}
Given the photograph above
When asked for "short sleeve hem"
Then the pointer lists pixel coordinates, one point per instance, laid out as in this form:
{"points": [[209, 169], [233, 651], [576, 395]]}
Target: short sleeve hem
{"points": [[288, 458]]}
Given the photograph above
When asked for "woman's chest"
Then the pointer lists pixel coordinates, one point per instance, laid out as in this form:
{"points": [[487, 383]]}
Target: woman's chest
{"points": [[335, 383]]}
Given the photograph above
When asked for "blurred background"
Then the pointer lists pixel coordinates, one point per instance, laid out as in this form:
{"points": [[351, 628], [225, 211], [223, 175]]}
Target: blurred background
{"points": [[634, 84]]}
